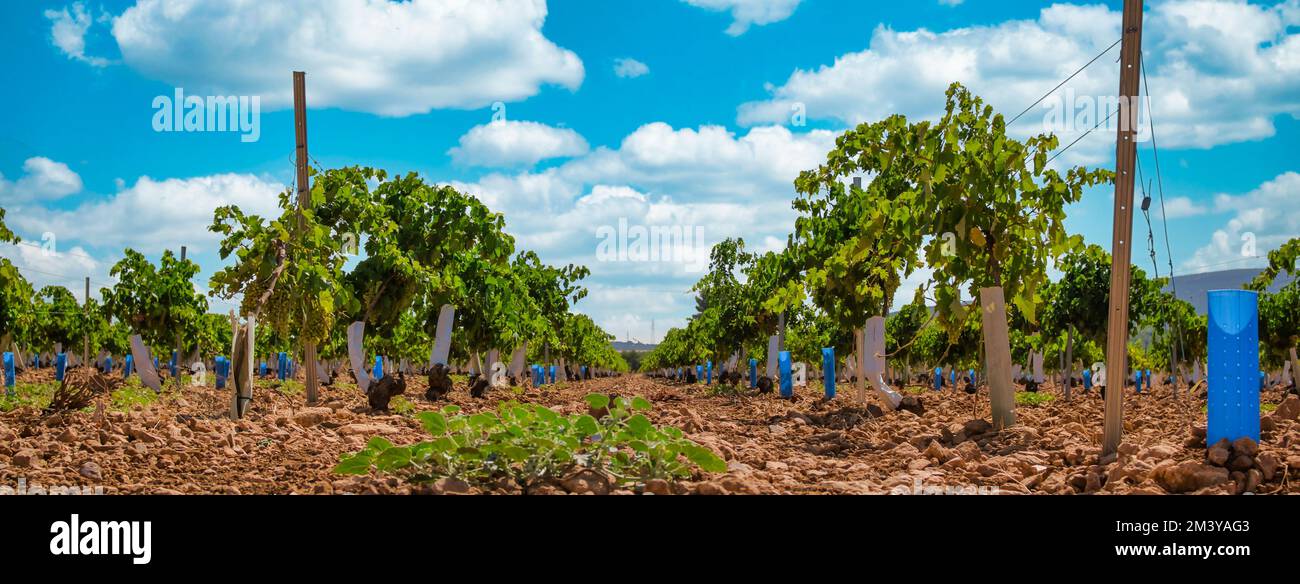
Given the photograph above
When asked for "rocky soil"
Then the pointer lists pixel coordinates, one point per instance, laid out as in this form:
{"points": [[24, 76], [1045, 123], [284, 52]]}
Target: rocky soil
{"points": [[183, 443]]}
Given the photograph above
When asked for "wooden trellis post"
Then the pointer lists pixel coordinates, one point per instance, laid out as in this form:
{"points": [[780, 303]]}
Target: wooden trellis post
{"points": [[85, 352], [177, 382], [1122, 236], [304, 200]]}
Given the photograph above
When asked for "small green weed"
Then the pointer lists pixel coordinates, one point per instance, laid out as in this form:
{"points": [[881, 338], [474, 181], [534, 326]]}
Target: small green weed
{"points": [[131, 395], [401, 406], [529, 444], [728, 389], [291, 387], [1033, 398], [34, 395]]}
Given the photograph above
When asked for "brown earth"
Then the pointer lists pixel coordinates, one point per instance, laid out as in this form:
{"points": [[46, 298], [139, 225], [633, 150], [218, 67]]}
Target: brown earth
{"points": [[183, 443]]}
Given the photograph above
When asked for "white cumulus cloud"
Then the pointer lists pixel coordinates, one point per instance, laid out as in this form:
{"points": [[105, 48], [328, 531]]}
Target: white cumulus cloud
{"points": [[630, 68], [508, 143], [1262, 219], [68, 30], [43, 180], [745, 13], [153, 215], [696, 186], [1180, 207], [387, 58], [1219, 72]]}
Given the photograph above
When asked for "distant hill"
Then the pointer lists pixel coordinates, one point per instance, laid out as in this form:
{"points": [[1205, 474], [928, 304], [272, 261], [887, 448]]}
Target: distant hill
{"points": [[1193, 287], [632, 346]]}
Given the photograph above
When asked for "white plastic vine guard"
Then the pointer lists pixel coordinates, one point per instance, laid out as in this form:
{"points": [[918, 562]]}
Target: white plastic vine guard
{"points": [[144, 364], [357, 332]]}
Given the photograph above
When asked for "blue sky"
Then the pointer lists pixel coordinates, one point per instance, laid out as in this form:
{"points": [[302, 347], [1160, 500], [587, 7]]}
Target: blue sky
{"points": [[671, 113]]}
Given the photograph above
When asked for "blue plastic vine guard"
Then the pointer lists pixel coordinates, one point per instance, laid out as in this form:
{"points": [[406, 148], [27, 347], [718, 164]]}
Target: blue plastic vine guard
{"points": [[9, 373], [699, 373], [552, 374], [128, 363], [108, 365], [1087, 379], [753, 373], [1232, 368], [222, 367], [787, 382], [60, 364], [708, 372], [173, 363], [938, 378], [828, 371]]}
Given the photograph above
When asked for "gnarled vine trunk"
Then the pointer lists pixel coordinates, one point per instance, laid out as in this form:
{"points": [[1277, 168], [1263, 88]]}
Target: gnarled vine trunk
{"points": [[1069, 361], [313, 380]]}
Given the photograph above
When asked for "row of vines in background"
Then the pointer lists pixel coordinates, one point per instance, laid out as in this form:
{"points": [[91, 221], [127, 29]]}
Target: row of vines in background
{"points": [[424, 246], [977, 209]]}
